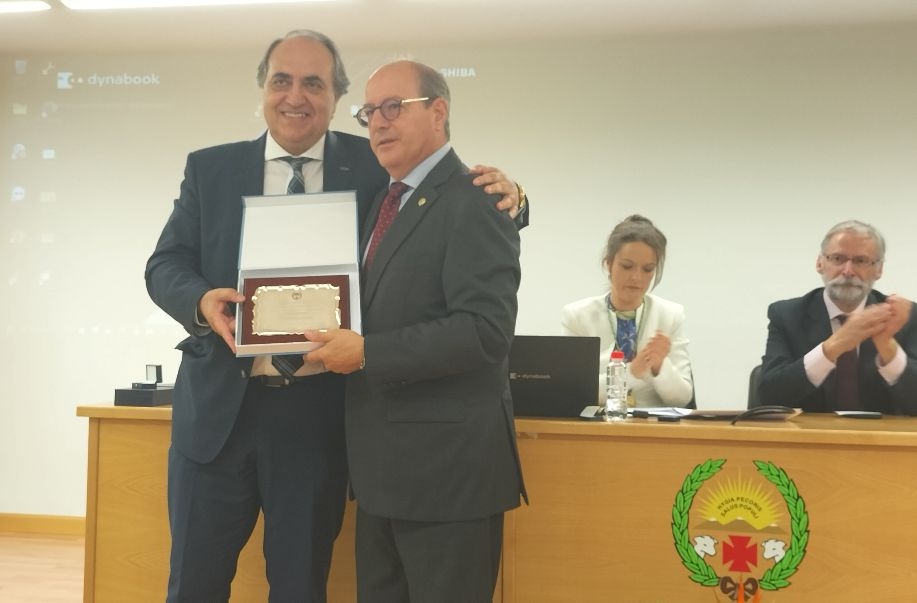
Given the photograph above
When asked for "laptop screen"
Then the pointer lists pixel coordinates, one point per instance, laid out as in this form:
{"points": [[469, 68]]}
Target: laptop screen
{"points": [[553, 376]]}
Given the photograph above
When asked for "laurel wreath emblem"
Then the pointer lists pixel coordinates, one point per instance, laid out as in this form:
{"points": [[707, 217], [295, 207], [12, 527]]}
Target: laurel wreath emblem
{"points": [[774, 578], [701, 572]]}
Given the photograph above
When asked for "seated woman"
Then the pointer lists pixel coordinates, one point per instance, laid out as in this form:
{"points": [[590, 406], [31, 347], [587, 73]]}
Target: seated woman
{"points": [[647, 328]]}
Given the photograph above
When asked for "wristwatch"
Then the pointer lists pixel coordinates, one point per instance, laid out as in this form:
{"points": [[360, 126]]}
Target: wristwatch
{"points": [[522, 198]]}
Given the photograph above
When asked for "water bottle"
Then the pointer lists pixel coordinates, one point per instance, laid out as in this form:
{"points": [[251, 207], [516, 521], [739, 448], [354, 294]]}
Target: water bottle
{"points": [[616, 388]]}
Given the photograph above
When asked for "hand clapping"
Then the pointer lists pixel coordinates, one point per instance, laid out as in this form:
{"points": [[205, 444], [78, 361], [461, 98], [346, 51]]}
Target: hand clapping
{"points": [[649, 358]]}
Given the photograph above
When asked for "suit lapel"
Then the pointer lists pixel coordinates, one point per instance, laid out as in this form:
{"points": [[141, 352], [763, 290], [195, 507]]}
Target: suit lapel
{"points": [[415, 208], [818, 324], [244, 178], [252, 168], [337, 171], [647, 324]]}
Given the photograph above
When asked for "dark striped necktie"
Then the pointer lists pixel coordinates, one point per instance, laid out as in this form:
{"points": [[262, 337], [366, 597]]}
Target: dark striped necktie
{"points": [[288, 364], [297, 183]]}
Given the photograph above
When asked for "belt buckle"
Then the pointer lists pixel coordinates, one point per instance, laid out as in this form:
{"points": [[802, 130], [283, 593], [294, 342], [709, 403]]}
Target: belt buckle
{"points": [[276, 381]]}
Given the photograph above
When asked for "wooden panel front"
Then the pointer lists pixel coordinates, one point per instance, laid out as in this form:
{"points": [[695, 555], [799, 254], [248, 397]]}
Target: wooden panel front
{"points": [[599, 527], [127, 529], [132, 529]]}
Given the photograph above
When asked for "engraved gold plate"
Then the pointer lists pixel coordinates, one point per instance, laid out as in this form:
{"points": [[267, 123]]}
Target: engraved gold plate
{"points": [[294, 309]]}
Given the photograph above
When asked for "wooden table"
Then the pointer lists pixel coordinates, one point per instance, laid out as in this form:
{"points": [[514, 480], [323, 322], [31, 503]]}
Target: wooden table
{"points": [[599, 526]]}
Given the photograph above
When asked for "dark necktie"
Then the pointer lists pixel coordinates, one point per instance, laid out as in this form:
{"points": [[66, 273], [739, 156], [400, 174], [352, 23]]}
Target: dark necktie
{"points": [[288, 364], [846, 381], [387, 214], [297, 184]]}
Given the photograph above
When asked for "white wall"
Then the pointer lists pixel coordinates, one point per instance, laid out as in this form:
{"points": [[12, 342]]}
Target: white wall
{"points": [[743, 147]]}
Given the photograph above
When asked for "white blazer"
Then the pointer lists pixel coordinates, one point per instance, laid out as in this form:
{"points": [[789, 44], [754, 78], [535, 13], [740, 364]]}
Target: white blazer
{"points": [[673, 386]]}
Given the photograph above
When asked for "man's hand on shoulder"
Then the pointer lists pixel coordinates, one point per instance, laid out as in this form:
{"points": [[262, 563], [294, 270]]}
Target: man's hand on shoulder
{"points": [[496, 182], [213, 307]]}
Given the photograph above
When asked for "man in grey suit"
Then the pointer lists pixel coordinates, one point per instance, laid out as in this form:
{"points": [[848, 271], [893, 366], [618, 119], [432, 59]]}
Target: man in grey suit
{"points": [[429, 421], [811, 338], [244, 437]]}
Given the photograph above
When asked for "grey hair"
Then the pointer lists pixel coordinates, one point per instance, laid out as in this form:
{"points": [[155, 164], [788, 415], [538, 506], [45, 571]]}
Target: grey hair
{"points": [[637, 229], [433, 84], [861, 228], [341, 82]]}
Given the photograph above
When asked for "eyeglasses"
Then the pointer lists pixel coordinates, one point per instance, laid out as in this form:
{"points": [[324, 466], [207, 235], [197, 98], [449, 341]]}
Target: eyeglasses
{"points": [[390, 109], [859, 261]]}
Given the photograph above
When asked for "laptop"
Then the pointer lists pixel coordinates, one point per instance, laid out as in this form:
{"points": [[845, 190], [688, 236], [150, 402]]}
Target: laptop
{"points": [[553, 376]]}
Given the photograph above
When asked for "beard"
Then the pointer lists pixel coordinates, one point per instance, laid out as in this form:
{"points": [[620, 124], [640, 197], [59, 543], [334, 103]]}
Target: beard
{"points": [[847, 290]]}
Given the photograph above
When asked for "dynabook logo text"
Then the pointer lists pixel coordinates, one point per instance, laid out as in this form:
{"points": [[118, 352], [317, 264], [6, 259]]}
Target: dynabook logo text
{"points": [[67, 79], [533, 376]]}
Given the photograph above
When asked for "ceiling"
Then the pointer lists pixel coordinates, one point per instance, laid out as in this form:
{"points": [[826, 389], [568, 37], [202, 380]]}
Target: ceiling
{"points": [[372, 22]]}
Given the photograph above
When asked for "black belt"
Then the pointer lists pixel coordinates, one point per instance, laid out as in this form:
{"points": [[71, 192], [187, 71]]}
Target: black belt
{"points": [[278, 380]]}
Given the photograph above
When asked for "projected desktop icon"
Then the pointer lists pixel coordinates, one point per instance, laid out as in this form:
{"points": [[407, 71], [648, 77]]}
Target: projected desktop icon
{"points": [[64, 80], [48, 108]]}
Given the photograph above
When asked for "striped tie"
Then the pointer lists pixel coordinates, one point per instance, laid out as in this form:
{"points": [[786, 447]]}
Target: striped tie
{"points": [[288, 364], [297, 184]]}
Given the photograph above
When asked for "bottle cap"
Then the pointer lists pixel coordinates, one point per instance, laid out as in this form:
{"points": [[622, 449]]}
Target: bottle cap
{"points": [[617, 355]]}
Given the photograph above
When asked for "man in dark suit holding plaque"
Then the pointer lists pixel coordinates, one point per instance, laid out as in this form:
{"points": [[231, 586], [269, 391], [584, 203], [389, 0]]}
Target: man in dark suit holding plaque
{"points": [[844, 347], [430, 433], [244, 437]]}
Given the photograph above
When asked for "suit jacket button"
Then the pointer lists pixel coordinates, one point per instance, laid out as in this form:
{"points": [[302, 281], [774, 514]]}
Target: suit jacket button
{"points": [[244, 376]]}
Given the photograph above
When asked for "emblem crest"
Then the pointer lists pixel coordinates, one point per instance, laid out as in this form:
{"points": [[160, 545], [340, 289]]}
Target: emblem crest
{"points": [[731, 532]]}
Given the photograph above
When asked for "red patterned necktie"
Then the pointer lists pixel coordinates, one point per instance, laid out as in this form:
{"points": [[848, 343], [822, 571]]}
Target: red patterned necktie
{"points": [[846, 380], [387, 213]]}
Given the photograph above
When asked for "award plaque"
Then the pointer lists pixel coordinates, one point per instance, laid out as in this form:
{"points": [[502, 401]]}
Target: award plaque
{"points": [[299, 271], [281, 309]]}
